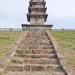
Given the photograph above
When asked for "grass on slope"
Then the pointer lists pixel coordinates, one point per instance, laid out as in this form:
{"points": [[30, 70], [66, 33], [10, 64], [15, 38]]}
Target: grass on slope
{"points": [[7, 39], [66, 44]]}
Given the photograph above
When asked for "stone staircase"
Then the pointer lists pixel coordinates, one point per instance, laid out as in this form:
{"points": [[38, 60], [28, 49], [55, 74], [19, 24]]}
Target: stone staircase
{"points": [[35, 56]]}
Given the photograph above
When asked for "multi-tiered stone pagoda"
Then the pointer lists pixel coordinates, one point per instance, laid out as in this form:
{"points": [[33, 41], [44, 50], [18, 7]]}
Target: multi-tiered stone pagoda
{"points": [[37, 16]]}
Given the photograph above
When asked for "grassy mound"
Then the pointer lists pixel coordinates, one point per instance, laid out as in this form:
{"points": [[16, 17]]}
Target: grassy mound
{"points": [[66, 44], [7, 39]]}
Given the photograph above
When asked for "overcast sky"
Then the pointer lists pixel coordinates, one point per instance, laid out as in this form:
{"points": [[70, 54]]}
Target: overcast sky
{"points": [[61, 13]]}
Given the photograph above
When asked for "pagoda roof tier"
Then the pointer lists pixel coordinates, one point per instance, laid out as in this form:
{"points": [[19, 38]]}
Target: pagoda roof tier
{"points": [[30, 27], [36, 25], [37, 9], [37, 3], [32, 0], [37, 16]]}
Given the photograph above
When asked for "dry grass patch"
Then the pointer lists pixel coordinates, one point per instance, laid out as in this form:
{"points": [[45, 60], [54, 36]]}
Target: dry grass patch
{"points": [[7, 39], [66, 44]]}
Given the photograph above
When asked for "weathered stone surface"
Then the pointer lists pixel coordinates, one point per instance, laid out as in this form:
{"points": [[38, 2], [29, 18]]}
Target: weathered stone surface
{"points": [[15, 67]]}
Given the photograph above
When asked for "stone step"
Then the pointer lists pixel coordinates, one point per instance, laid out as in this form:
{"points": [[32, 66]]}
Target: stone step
{"points": [[44, 37], [32, 39], [41, 61], [44, 43], [29, 34], [34, 73], [29, 46], [37, 38], [17, 60], [38, 41], [37, 45], [45, 46], [33, 67], [36, 51], [42, 67], [14, 73], [43, 40], [36, 55], [15, 67], [34, 61]]}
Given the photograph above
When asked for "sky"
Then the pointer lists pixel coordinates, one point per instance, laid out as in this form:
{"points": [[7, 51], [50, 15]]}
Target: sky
{"points": [[61, 13]]}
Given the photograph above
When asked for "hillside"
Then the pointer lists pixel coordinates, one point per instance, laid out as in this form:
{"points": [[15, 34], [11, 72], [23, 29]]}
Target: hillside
{"points": [[7, 39], [65, 41], [66, 44]]}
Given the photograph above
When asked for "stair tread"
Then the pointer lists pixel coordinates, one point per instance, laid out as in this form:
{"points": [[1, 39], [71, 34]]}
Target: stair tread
{"points": [[19, 58], [39, 54], [34, 73], [17, 64], [38, 49], [34, 60]]}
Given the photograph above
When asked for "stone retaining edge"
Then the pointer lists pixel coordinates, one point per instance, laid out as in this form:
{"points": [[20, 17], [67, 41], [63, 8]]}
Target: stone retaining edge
{"points": [[4, 61], [60, 57]]}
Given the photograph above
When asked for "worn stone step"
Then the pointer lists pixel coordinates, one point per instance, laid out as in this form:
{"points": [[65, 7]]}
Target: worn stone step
{"points": [[42, 37], [44, 73], [46, 42], [42, 67], [29, 46], [36, 51], [37, 46], [36, 55], [29, 34], [41, 61], [14, 73], [26, 42], [36, 39], [15, 67], [34, 61], [31, 39], [17, 60], [45, 47], [35, 73], [32, 67]]}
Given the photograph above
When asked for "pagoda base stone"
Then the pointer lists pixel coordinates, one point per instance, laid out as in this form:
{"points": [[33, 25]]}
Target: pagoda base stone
{"points": [[30, 27]]}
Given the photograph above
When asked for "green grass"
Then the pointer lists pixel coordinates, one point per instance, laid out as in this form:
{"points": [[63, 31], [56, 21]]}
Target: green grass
{"points": [[6, 40], [66, 44]]}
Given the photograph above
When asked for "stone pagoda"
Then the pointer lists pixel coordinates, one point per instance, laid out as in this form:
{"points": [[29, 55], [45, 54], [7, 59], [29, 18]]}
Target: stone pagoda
{"points": [[37, 16]]}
